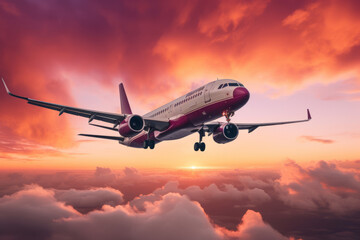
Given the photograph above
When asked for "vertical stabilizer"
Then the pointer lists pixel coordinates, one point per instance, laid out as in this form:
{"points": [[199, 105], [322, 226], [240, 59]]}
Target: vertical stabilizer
{"points": [[125, 106]]}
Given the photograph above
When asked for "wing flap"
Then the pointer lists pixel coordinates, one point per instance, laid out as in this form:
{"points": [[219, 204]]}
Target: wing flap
{"points": [[103, 137], [156, 124], [94, 115]]}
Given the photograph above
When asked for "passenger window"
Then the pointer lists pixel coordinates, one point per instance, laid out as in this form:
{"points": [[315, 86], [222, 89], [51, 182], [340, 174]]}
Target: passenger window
{"points": [[220, 86]]}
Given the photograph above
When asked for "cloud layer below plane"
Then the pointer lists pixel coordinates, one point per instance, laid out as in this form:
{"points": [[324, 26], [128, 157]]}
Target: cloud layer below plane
{"points": [[323, 201], [36, 213]]}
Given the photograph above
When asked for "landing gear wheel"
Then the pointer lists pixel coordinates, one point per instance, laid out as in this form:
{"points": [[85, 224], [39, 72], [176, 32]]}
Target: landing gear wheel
{"points": [[146, 144], [196, 146], [202, 146], [151, 144]]}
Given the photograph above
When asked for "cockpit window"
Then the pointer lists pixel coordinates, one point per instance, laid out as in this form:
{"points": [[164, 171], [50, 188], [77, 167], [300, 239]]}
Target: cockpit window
{"points": [[225, 85], [220, 86], [233, 85]]}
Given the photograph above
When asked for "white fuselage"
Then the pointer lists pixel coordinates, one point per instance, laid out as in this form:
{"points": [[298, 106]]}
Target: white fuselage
{"points": [[199, 106]]}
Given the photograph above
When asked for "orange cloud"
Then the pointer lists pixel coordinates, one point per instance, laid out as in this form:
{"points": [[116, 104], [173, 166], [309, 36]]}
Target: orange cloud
{"points": [[229, 14], [165, 47]]}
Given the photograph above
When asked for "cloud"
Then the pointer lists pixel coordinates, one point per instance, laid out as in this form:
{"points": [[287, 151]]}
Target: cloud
{"points": [[35, 213], [342, 90], [209, 193], [90, 199], [312, 188], [253, 228], [296, 18], [322, 198], [19, 148], [173, 217], [228, 15], [332, 176], [316, 139], [30, 213], [47, 44]]}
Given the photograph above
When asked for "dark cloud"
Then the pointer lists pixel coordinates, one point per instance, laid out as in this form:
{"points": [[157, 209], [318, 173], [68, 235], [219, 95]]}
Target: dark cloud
{"points": [[30, 214], [332, 176]]}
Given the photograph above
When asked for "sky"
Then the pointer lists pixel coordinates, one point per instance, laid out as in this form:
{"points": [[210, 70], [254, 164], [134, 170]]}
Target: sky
{"points": [[291, 56]]}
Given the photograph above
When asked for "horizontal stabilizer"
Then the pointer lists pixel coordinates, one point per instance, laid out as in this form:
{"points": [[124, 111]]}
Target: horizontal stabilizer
{"points": [[104, 137]]}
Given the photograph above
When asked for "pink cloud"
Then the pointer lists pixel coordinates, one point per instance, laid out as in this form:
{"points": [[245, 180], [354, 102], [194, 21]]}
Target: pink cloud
{"points": [[89, 199], [317, 139], [209, 193], [310, 188]]}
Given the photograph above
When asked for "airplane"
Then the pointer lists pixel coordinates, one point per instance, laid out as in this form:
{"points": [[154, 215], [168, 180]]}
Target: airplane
{"points": [[179, 118]]}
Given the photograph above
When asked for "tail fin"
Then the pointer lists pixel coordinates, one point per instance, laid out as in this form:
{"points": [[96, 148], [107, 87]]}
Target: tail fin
{"points": [[125, 106]]}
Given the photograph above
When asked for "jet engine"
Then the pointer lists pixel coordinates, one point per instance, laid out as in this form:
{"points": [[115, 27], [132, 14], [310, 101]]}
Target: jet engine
{"points": [[227, 132], [131, 126]]}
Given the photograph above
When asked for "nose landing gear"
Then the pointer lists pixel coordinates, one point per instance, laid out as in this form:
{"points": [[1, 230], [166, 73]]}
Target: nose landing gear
{"points": [[228, 114], [200, 145]]}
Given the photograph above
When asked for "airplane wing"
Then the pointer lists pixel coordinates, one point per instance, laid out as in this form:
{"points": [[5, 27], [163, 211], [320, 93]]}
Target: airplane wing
{"points": [[112, 118], [252, 126]]}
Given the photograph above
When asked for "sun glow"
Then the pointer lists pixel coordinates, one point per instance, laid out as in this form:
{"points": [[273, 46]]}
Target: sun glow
{"points": [[194, 167]]}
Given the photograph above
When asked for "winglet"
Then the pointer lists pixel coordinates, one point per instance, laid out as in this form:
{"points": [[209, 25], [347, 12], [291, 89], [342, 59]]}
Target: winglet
{"points": [[11, 94], [7, 90], [308, 114]]}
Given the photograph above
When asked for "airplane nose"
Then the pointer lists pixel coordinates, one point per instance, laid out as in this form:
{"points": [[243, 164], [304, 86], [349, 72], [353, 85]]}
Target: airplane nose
{"points": [[241, 93]]}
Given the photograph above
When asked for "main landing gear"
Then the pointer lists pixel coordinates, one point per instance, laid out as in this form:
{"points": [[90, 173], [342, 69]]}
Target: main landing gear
{"points": [[200, 145], [148, 143]]}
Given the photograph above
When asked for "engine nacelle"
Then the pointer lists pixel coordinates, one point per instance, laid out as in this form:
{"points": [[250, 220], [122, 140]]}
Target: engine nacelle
{"points": [[226, 133], [131, 126]]}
